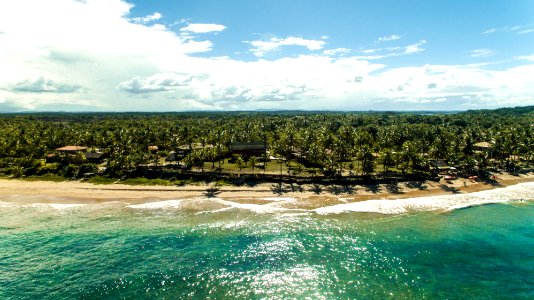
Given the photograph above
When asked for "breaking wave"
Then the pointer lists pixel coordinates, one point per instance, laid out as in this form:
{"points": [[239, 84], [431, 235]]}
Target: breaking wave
{"points": [[519, 192]]}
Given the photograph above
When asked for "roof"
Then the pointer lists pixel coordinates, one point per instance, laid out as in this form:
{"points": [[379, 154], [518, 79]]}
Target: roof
{"points": [[72, 148], [194, 146], [249, 146], [152, 148], [483, 145], [94, 155]]}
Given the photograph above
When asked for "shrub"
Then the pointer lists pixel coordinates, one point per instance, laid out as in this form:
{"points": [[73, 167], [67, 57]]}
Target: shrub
{"points": [[48, 168], [70, 171], [15, 171], [88, 168], [101, 180]]}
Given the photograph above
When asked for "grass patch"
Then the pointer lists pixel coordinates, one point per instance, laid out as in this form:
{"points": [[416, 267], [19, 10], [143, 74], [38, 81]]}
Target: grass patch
{"points": [[271, 167], [146, 181], [223, 182], [101, 180], [46, 177], [190, 181]]}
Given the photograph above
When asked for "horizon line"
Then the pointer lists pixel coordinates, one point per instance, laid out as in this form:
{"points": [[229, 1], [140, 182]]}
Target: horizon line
{"points": [[264, 110]]}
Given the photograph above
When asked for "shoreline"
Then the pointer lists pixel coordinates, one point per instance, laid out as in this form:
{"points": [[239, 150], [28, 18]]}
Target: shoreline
{"points": [[306, 196]]}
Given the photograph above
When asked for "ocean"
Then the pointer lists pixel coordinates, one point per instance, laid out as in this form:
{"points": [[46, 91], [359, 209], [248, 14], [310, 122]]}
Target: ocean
{"points": [[463, 248]]}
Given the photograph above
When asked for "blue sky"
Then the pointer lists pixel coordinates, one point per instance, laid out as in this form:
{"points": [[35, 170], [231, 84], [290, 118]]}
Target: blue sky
{"points": [[115, 55], [452, 28]]}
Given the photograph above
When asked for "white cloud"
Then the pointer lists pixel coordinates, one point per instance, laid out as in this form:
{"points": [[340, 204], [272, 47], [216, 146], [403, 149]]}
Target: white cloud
{"points": [[380, 53], [115, 63], [526, 57], [346, 83], [388, 38], [197, 46], [471, 86], [370, 51], [156, 83], [415, 48], [482, 52], [43, 85], [261, 47], [93, 45], [520, 29], [257, 84], [150, 18], [337, 51], [202, 28]]}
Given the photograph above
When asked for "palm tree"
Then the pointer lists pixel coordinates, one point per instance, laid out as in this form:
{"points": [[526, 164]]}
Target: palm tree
{"points": [[386, 156], [368, 161], [239, 161], [252, 162]]}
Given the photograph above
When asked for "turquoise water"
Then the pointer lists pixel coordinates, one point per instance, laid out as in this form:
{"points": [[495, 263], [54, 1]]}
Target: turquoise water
{"points": [[111, 252]]}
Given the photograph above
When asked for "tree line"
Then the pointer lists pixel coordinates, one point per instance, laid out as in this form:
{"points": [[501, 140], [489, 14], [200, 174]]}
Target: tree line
{"points": [[325, 144]]}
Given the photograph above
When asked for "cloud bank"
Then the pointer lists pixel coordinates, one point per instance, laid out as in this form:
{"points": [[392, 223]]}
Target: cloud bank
{"points": [[94, 55]]}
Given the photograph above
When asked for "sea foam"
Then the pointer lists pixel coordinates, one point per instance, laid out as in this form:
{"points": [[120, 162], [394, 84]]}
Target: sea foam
{"points": [[522, 191], [61, 206], [278, 199], [258, 208], [57, 206], [272, 207], [172, 204]]}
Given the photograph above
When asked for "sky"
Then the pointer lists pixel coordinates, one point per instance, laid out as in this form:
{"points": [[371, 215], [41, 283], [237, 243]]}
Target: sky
{"points": [[189, 55]]}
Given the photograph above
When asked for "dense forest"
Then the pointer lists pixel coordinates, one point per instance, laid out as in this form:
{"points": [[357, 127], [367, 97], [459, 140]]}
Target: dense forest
{"points": [[322, 145]]}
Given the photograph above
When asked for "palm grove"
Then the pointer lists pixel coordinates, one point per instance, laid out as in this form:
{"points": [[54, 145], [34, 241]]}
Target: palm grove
{"points": [[321, 145]]}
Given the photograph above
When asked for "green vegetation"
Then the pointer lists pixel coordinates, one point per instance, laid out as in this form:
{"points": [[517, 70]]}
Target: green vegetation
{"points": [[101, 180], [319, 145], [47, 177], [146, 181]]}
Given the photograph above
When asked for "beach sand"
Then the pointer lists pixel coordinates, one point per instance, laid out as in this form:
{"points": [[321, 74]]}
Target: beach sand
{"points": [[302, 196]]}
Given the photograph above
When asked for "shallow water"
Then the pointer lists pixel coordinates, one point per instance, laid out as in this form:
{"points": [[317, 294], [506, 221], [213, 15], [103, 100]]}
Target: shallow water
{"points": [[116, 251]]}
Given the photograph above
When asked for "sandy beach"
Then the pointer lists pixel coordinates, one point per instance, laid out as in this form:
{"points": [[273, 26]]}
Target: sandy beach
{"points": [[304, 196]]}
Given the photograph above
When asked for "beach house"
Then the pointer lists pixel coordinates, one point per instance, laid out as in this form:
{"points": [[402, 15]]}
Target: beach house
{"points": [[248, 149]]}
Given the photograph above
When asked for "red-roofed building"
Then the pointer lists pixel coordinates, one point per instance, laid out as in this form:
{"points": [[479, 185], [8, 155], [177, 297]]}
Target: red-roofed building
{"points": [[72, 149]]}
